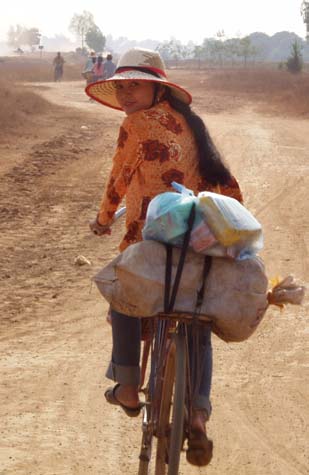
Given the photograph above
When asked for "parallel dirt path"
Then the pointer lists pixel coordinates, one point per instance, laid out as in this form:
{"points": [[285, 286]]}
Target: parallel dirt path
{"points": [[55, 343]]}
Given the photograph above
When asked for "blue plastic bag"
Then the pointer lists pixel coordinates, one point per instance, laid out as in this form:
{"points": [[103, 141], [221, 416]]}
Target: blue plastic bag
{"points": [[167, 221], [167, 217]]}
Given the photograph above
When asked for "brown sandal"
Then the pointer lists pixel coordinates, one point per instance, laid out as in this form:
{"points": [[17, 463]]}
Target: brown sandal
{"points": [[199, 450], [110, 396]]}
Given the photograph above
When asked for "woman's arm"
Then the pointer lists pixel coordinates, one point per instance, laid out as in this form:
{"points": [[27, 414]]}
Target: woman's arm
{"points": [[114, 192], [121, 174]]}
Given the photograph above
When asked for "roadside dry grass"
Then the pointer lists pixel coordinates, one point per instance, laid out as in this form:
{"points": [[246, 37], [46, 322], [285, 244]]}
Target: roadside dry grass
{"points": [[279, 90], [19, 108], [35, 69], [271, 91]]}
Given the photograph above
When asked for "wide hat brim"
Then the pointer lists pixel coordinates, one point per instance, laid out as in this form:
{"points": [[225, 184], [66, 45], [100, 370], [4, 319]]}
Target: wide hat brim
{"points": [[104, 92]]}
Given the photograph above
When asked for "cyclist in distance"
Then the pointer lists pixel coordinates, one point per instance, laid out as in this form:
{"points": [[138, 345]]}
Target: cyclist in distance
{"points": [[58, 63], [160, 140]]}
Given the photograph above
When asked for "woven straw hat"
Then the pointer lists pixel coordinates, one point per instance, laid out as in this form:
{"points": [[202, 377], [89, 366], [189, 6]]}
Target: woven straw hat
{"points": [[136, 64]]}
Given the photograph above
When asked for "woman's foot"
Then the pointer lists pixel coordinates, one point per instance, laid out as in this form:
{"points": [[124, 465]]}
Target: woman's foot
{"points": [[200, 448], [198, 420], [126, 397]]}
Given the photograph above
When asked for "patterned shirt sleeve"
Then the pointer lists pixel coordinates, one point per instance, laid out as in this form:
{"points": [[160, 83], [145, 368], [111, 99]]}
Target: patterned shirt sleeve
{"points": [[120, 176]]}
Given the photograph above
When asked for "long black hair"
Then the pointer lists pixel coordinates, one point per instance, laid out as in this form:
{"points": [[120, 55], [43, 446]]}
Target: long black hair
{"points": [[211, 164]]}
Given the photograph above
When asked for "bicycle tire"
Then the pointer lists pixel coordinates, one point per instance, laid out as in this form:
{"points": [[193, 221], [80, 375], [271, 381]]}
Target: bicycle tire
{"points": [[163, 425], [146, 446], [176, 437], [143, 468]]}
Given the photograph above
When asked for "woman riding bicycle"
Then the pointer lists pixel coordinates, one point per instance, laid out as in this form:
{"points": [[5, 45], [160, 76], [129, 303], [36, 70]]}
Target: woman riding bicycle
{"points": [[161, 140]]}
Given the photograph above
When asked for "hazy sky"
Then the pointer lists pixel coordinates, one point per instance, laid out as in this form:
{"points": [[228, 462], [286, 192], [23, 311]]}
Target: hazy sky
{"points": [[158, 19]]}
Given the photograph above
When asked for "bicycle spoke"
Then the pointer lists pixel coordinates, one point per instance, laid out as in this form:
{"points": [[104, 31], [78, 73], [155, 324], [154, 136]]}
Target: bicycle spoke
{"points": [[162, 432], [178, 405]]}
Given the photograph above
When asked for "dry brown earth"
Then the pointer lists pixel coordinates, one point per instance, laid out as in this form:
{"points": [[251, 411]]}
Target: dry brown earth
{"points": [[55, 343]]}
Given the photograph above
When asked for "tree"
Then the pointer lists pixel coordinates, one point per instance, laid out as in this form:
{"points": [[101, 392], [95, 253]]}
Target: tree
{"points": [[217, 49], [295, 61], [197, 54], [15, 36], [246, 49], [81, 24], [95, 39], [232, 49], [220, 35], [31, 37], [20, 35], [213, 50], [171, 50]]}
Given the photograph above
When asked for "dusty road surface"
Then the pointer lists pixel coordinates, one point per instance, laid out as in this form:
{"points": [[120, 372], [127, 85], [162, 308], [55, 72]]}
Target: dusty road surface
{"points": [[55, 343]]}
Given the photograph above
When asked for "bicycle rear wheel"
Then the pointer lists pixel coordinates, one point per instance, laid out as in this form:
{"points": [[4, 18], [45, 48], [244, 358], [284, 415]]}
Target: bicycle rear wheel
{"points": [[143, 468], [145, 453], [163, 425], [177, 430]]}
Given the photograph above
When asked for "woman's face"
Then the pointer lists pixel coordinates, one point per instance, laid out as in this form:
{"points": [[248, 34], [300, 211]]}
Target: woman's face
{"points": [[134, 95]]}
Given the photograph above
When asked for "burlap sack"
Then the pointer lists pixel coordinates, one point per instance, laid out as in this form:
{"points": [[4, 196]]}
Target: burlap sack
{"points": [[235, 297]]}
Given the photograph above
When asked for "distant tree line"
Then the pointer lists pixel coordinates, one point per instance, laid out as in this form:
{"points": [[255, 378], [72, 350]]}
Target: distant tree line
{"points": [[83, 26], [215, 51], [218, 51]]}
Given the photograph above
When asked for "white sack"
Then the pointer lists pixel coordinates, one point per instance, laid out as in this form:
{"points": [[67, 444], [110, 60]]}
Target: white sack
{"points": [[235, 296]]}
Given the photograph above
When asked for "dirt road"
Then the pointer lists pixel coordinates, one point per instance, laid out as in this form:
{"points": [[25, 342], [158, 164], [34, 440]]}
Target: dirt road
{"points": [[55, 343]]}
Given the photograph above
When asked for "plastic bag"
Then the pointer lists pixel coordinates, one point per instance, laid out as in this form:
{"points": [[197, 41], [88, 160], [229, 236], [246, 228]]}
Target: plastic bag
{"points": [[222, 226], [235, 293], [233, 225], [167, 216]]}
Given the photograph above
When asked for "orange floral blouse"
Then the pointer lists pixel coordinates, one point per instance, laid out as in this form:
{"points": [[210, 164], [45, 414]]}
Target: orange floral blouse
{"points": [[155, 147]]}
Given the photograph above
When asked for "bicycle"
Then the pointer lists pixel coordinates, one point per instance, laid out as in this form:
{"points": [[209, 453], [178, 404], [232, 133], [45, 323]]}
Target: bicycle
{"points": [[168, 395], [174, 373], [174, 376]]}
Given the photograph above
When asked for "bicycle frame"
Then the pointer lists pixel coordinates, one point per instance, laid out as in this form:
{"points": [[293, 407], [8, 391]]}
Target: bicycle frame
{"points": [[161, 350], [170, 379], [169, 384]]}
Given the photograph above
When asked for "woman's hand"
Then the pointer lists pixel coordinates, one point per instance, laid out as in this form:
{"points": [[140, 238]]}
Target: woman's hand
{"points": [[99, 229]]}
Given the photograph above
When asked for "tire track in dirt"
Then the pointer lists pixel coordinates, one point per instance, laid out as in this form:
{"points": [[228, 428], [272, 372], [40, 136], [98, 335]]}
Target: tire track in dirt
{"points": [[39, 203], [246, 400]]}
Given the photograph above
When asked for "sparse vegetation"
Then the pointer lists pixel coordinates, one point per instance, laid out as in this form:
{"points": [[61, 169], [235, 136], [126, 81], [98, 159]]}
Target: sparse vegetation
{"points": [[84, 27], [271, 90], [19, 36], [95, 39], [295, 61], [81, 24]]}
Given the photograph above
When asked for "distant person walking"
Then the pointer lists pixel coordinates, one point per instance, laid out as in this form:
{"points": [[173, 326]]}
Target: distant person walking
{"points": [[98, 69], [88, 68], [58, 63], [109, 67]]}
